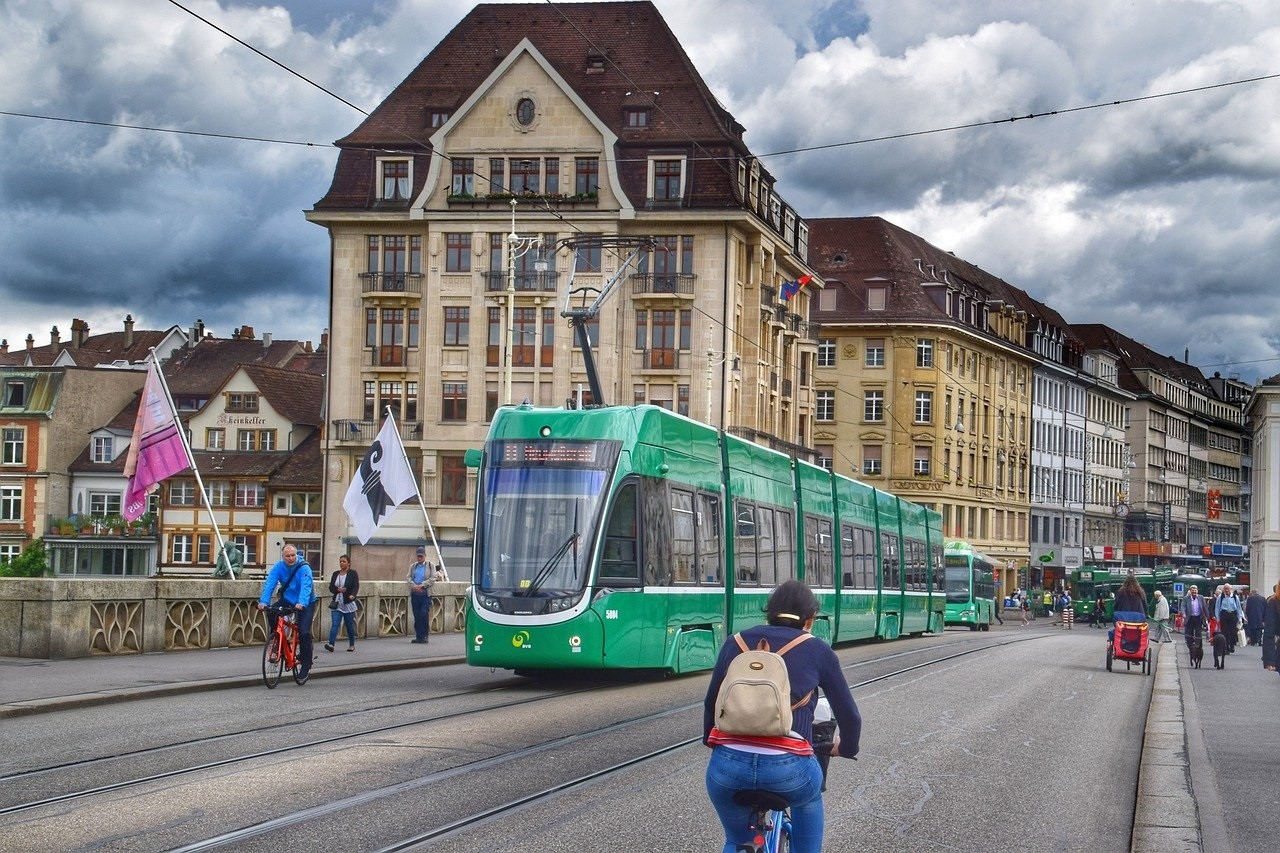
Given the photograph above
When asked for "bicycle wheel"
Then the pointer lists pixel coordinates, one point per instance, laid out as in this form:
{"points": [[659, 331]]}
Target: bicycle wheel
{"points": [[272, 661]]}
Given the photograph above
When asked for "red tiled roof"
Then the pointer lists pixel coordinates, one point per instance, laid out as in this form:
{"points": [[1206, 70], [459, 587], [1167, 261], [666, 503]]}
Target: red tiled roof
{"points": [[296, 396], [205, 367], [304, 469]]}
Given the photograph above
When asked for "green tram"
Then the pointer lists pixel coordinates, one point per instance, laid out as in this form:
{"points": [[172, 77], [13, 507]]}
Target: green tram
{"points": [[629, 537], [970, 587], [1089, 582]]}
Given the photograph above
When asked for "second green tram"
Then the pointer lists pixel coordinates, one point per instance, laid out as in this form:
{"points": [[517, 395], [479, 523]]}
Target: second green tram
{"points": [[629, 537], [970, 587]]}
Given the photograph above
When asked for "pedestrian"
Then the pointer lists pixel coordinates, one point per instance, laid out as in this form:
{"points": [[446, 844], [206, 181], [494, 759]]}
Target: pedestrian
{"points": [[1255, 607], [1048, 603], [344, 586], [1194, 608], [1068, 610], [421, 578], [1162, 619], [995, 608], [293, 576], [1100, 612], [1229, 614], [1271, 630], [1024, 608]]}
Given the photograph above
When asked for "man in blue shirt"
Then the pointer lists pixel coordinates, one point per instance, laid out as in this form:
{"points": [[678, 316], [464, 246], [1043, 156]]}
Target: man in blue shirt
{"points": [[1193, 613], [293, 576]]}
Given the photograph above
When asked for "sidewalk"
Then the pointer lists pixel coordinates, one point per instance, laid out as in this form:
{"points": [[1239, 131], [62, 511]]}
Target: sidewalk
{"points": [[32, 686]]}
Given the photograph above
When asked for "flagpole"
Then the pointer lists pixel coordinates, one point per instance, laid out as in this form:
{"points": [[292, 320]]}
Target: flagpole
{"points": [[430, 529], [191, 459]]}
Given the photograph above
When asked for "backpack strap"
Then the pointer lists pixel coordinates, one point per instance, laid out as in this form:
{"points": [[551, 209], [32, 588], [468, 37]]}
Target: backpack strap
{"points": [[804, 700]]}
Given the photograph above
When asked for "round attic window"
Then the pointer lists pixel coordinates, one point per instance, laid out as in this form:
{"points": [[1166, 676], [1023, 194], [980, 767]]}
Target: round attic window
{"points": [[525, 111]]}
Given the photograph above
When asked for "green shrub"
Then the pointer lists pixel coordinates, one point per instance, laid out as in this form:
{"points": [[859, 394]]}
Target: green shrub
{"points": [[31, 563]]}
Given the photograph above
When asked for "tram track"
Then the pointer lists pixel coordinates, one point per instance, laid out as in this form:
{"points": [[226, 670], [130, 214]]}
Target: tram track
{"points": [[465, 823]]}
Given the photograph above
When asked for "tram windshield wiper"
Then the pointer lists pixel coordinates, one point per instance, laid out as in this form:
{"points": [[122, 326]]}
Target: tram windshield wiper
{"points": [[549, 566]]}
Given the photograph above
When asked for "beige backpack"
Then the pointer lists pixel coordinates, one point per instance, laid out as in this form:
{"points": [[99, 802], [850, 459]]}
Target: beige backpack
{"points": [[755, 696]]}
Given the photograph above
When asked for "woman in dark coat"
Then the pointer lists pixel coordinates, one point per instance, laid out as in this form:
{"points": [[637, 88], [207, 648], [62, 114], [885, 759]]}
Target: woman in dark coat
{"points": [[1271, 630]]}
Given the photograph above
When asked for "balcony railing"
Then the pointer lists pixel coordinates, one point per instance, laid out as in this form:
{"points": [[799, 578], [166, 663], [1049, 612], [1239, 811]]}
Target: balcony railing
{"points": [[364, 432], [391, 282], [526, 282], [661, 359], [678, 284]]}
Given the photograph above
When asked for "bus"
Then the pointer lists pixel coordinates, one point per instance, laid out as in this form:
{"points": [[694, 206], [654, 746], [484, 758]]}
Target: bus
{"points": [[1088, 582], [970, 586], [634, 538]]}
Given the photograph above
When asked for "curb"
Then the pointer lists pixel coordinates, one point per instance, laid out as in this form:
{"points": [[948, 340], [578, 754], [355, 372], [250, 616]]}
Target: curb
{"points": [[1165, 816], [131, 694]]}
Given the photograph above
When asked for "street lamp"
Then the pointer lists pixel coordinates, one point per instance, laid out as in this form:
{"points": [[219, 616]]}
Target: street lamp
{"points": [[714, 360], [517, 247]]}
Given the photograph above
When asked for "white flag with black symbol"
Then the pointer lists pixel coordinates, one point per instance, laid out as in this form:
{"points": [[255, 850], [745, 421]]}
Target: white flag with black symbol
{"points": [[382, 482]]}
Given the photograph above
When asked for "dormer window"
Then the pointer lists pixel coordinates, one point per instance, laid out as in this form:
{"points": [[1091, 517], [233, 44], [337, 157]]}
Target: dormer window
{"points": [[437, 118], [636, 118], [595, 64], [103, 448], [15, 393], [395, 180]]}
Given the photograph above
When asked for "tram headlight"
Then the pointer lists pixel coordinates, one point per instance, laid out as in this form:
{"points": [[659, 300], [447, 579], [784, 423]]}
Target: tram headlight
{"points": [[575, 641], [479, 640]]}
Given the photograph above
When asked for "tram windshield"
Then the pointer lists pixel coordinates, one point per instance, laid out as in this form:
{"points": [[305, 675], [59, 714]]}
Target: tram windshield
{"points": [[541, 501], [959, 583]]}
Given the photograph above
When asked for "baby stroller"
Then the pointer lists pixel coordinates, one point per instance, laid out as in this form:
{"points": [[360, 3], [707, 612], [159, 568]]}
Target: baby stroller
{"points": [[1129, 644]]}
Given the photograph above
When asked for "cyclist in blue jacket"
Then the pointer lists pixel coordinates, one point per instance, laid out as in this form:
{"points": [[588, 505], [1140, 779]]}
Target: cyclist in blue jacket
{"points": [[293, 576], [784, 766]]}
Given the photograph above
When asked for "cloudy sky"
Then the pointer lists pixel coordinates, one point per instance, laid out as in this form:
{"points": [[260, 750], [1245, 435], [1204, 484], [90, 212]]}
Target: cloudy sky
{"points": [[1159, 217]]}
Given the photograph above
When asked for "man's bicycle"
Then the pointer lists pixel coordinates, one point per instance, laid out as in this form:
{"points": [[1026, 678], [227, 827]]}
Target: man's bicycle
{"points": [[281, 648]]}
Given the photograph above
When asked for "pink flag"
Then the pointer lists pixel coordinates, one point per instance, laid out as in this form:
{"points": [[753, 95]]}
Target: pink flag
{"points": [[156, 450]]}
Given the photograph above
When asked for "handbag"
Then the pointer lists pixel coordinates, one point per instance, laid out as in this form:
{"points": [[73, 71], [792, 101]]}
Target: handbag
{"points": [[1241, 640], [333, 604]]}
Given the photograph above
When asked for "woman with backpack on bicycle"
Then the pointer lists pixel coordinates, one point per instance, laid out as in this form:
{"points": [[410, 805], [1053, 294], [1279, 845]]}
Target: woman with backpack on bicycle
{"points": [[778, 756]]}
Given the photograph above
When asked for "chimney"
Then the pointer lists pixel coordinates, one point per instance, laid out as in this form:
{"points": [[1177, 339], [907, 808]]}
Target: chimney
{"points": [[128, 331], [79, 332], [55, 340], [324, 340], [1186, 354], [266, 340], [306, 347], [246, 333], [199, 332], [4, 347], [31, 342]]}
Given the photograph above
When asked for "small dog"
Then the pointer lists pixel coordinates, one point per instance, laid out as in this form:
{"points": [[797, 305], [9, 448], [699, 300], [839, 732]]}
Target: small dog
{"points": [[1219, 651], [1196, 644]]}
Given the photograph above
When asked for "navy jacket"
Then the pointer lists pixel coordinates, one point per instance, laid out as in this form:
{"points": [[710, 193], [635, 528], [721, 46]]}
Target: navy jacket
{"points": [[809, 665]]}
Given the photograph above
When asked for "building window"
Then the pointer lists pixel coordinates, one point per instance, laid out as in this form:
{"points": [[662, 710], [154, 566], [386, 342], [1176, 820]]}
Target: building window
{"points": [[457, 252], [250, 495], [586, 175], [9, 552], [587, 257], [248, 546], [103, 504], [215, 439], [636, 117], [437, 118], [464, 176], [304, 503], [180, 551], [453, 401], [875, 352], [453, 480], [10, 503], [256, 439], [218, 492], [553, 175], [15, 446], [924, 407], [873, 406], [497, 174], [920, 463], [877, 298], [871, 459], [526, 111], [826, 405], [826, 454], [182, 493], [237, 402], [103, 448], [457, 325], [827, 352], [924, 352], [395, 180], [666, 180], [525, 174]]}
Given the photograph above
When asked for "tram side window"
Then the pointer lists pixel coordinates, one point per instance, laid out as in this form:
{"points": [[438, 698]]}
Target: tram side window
{"points": [[620, 565], [891, 577], [864, 573], [744, 545], [655, 509], [847, 551], [939, 576], [682, 537], [710, 564], [817, 551], [785, 547], [915, 564], [766, 548]]}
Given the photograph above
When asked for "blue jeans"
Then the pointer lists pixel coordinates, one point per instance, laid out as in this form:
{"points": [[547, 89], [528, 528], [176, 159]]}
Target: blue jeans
{"points": [[339, 618], [798, 778], [421, 604]]}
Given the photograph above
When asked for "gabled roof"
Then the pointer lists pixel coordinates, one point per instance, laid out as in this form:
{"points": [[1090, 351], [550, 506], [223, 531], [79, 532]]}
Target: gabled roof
{"points": [[614, 56], [1136, 359], [206, 367], [104, 349], [296, 396]]}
